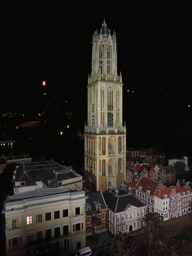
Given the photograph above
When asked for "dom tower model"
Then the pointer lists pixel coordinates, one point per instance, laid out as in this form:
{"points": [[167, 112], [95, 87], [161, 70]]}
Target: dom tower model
{"points": [[105, 137]]}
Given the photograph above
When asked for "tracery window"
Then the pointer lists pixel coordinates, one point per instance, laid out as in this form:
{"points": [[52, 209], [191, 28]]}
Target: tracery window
{"points": [[117, 99], [103, 167], [119, 164], [110, 99], [103, 146], [119, 145], [101, 56], [110, 119], [102, 98], [99, 145], [102, 118]]}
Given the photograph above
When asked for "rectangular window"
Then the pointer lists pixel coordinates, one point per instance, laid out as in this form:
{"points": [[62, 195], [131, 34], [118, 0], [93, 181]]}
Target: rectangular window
{"points": [[15, 223], [77, 210], [29, 220], [39, 236], [65, 230], [48, 216], [56, 214], [65, 213], [38, 218], [48, 234], [29, 238], [57, 232], [103, 216], [77, 227], [66, 242], [103, 225], [15, 241]]}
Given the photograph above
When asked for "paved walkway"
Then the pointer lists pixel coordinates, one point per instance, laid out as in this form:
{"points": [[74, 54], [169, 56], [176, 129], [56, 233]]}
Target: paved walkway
{"points": [[171, 227]]}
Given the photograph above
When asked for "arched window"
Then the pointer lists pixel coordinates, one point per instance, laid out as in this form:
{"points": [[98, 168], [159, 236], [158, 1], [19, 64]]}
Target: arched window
{"points": [[117, 99], [111, 146], [99, 166], [103, 167], [117, 117], [99, 145], [119, 145], [102, 98], [110, 99], [109, 57], [103, 146], [110, 119], [110, 167], [101, 57], [102, 118], [122, 165], [119, 165], [88, 144], [123, 144]]}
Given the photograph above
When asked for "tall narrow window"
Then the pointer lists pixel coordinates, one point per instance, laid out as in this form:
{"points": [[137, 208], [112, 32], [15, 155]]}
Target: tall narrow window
{"points": [[119, 164], [110, 99], [119, 145], [109, 56], [110, 119], [117, 117], [102, 118], [99, 166], [103, 146], [103, 167], [99, 145], [102, 98], [101, 56], [110, 167], [117, 99]]}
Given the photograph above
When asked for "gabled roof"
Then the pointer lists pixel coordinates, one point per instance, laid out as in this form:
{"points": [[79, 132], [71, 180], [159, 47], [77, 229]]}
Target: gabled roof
{"points": [[93, 198], [161, 192], [121, 201], [147, 184]]}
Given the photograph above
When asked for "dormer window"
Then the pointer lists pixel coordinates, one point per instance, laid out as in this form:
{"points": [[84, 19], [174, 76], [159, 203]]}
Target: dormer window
{"points": [[165, 196], [98, 207], [148, 192], [22, 183], [88, 209], [140, 187]]}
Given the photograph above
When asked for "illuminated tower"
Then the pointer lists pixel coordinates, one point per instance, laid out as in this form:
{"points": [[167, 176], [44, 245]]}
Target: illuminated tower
{"points": [[105, 137]]}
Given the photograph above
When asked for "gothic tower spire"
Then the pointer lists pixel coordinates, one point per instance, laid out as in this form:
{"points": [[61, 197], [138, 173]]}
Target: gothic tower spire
{"points": [[105, 137]]}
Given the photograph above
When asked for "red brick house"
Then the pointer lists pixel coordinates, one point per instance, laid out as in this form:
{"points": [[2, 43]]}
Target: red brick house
{"points": [[96, 213], [129, 174]]}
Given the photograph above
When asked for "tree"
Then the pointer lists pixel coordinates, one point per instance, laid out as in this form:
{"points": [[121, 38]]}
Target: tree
{"points": [[153, 224]]}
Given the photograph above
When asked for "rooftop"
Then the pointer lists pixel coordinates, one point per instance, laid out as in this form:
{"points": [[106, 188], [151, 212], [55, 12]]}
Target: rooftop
{"points": [[49, 172], [119, 200]]}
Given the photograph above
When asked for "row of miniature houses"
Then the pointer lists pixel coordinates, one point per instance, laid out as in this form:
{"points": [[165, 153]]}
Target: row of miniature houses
{"points": [[157, 172], [122, 209]]}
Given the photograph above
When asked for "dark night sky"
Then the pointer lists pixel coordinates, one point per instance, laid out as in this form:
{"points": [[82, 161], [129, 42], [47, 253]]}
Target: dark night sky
{"points": [[51, 41]]}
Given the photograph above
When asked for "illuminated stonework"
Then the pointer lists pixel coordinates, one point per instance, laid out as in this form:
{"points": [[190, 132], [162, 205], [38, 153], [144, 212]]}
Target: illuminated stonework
{"points": [[105, 137]]}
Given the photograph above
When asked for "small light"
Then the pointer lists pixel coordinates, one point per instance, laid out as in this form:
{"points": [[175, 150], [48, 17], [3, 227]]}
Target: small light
{"points": [[61, 133], [189, 106], [43, 83], [66, 101], [127, 90], [45, 93], [132, 91], [68, 126], [16, 127]]}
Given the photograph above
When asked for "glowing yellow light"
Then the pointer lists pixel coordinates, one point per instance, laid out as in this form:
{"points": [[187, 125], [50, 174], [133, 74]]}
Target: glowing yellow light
{"points": [[43, 83], [68, 126], [61, 133], [16, 127], [44, 93], [39, 114]]}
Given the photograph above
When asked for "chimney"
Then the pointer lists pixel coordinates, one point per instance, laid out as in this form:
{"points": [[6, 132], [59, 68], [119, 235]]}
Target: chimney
{"points": [[159, 192], [116, 191]]}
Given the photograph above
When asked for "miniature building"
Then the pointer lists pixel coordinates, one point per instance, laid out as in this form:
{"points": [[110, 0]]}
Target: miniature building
{"points": [[126, 212], [45, 219], [96, 213], [105, 137], [45, 174]]}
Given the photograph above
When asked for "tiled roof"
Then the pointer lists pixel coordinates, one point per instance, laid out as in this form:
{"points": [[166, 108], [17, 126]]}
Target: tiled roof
{"points": [[165, 191], [94, 197], [121, 201], [146, 184], [49, 172], [132, 184]]}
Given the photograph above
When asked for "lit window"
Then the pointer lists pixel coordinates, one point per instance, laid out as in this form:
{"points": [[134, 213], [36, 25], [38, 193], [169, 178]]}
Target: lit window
{"points": [[15, 223], [29, 220]]}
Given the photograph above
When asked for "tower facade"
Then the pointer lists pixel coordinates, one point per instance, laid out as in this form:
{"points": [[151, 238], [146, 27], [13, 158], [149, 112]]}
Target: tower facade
{"points": [[104, 135]]}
